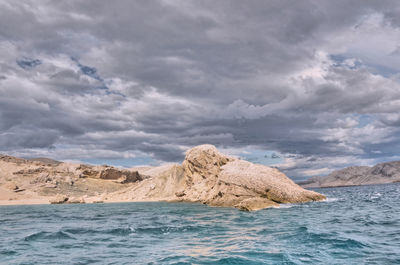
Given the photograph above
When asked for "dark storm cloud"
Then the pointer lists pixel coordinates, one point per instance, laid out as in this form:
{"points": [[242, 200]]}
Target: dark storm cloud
{"points": [[93, 79]]}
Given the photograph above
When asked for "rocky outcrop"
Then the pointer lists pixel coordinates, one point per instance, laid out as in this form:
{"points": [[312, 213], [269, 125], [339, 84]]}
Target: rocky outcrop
{"points": [[382, 173], [219, 180], [63, 199], [59, 199], [75, 200], [164, 183], [42, 179], [87, 171], [205, 176], [123, 176], [209, 177], [109, 173]]}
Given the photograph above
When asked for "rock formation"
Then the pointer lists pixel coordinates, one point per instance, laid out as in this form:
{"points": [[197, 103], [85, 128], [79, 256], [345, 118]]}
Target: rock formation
{"points": [[43, 180], [205, 176], [209, 177], [382, 173], [59, 199], [122, 176]]}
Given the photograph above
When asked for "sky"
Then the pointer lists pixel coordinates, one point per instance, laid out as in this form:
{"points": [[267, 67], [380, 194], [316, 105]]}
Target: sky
{"points": [[306, 86]]}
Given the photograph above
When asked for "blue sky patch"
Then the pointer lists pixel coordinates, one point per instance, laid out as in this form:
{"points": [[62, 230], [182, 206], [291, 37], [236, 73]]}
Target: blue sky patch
{"points": [[90, 71], [364, 120], [28, 63], [263, 157]]}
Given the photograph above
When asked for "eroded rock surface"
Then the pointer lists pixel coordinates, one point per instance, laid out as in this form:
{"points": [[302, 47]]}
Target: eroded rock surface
{"points": [[205, 176], [59, 199], [43, 180], [219, 180], [209, 177], [123, 176]]}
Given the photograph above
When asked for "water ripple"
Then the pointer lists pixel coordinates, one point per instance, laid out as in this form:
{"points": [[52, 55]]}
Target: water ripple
{"points": [[48, 236], [355, 225]]}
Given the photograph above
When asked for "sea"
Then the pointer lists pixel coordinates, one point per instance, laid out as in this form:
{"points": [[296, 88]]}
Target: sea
{"points": [[355, 225]]}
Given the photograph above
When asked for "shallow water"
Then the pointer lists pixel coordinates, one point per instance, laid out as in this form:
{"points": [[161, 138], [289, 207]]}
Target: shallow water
{"points": [[356, 225]]}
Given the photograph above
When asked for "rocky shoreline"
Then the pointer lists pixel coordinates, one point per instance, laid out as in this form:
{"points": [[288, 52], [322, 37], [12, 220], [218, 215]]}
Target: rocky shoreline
{"points": [[205, 176]]}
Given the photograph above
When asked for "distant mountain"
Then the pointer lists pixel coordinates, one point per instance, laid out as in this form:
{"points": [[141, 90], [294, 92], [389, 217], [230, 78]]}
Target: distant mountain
{"points": [[382, 173]]}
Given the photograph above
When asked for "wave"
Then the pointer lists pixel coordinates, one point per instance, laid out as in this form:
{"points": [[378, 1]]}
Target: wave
{"points": [[375, 196], [91, 231], [42, 235], [346, 229], [276, 257], [331, 200], [166, 229], [285, 206], [331, 239], [124, 231]]}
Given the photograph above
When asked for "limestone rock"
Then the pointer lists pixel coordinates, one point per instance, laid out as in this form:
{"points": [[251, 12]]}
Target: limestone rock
{"points": [[205, 176], [43, 177], [267, 182], [162, 186], [201, 166], [59, 199], [123, 176], [209, 177], [75, 200], [255, 203], [87, 172], [108, 173]]}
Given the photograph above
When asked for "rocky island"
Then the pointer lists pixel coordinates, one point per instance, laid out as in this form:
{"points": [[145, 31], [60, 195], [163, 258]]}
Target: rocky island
{"points": [[205, 176], [382, 173]]}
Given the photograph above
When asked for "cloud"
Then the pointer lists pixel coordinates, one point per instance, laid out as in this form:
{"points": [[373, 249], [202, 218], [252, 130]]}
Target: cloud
{"points": [[315, 81]]}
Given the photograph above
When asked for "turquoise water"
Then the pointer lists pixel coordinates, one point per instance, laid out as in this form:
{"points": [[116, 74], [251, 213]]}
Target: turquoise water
{"points": [[357, 225]]}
